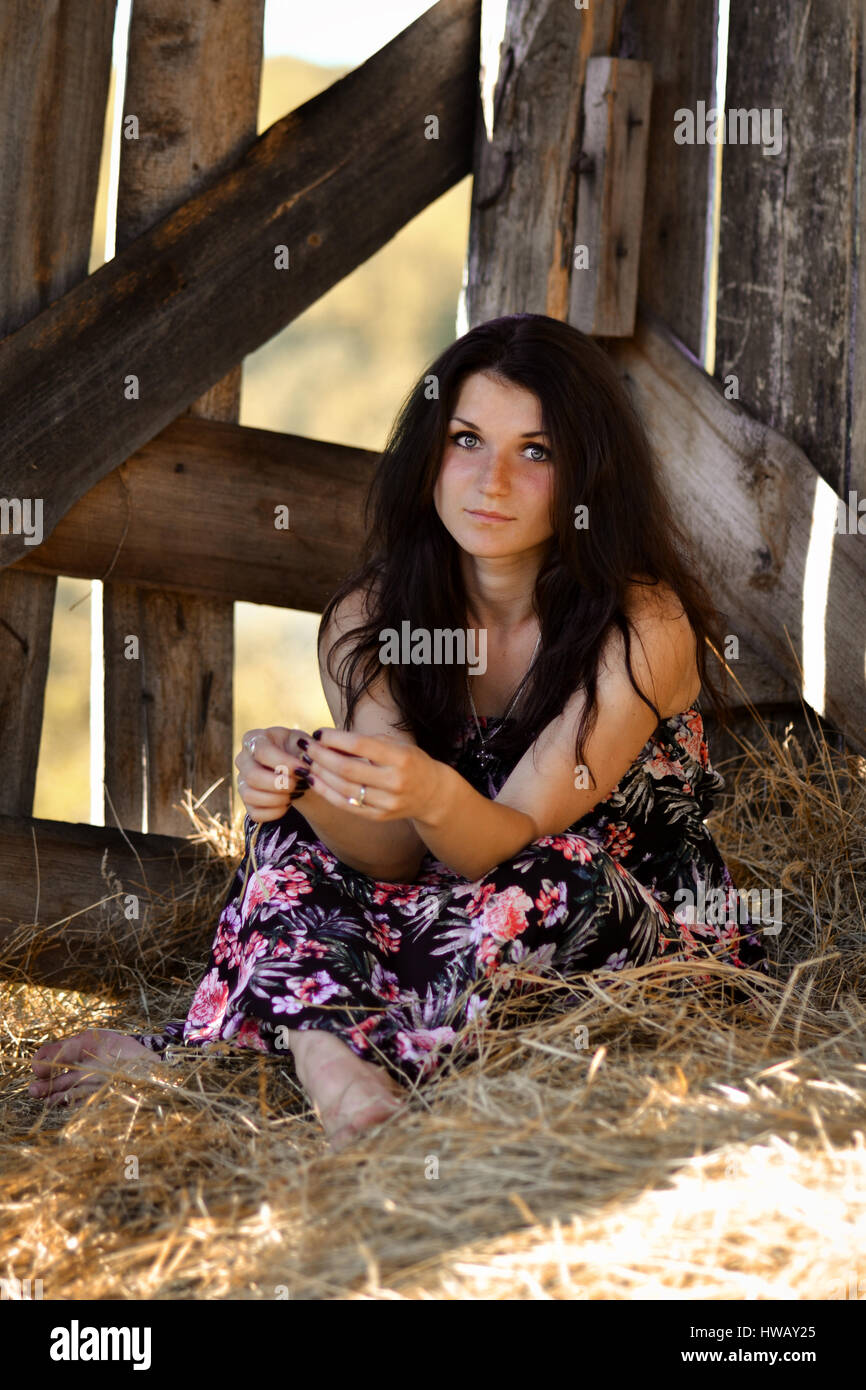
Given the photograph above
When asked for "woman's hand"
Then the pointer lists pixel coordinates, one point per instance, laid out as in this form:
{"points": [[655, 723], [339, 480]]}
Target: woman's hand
{"points": [[269, 772], [401, 781]]}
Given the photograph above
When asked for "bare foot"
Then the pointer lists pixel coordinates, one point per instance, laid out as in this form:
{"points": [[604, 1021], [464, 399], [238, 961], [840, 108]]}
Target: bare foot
{"points": [[349, 1094], [60, 1068]]}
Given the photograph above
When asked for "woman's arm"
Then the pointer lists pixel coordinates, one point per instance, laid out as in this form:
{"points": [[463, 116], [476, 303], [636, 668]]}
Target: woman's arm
{"points": [[545, 792], [391, 851], [543, 795]]}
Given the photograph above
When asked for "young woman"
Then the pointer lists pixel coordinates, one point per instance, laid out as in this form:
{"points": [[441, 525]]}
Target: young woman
{"points": [[539, 800]]}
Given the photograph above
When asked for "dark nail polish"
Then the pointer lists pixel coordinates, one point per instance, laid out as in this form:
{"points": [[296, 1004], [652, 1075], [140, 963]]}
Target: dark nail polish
{"points": [[303, 743], [302, 779], [317, 734], [311, 779], [305, 759]]}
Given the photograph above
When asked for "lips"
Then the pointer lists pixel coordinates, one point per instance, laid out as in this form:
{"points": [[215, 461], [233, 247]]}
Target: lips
{"points": [[489, 516]]}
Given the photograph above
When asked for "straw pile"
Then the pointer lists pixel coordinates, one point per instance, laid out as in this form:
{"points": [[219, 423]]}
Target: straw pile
{"points": [[697, 1148]]}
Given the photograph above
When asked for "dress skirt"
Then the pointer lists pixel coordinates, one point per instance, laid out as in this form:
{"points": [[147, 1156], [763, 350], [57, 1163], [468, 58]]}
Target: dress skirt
{"points": [[397, 969]]}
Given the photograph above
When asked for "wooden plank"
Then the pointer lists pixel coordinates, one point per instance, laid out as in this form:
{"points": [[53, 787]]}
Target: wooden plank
{"points": [[767, 523], [855, 454], [522, 221], [787, 223], [193, 83], [53, 90], [678, 39], [786, 261], [188, 299], [169, 517], [610, 198], [100, 897]]}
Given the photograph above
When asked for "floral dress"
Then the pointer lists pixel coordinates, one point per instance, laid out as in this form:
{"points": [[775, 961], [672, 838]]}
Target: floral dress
{"points": [[396, 969]]}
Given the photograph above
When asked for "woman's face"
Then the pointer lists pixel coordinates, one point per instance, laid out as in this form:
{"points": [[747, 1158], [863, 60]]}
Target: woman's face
{"points": [[497, 460]]}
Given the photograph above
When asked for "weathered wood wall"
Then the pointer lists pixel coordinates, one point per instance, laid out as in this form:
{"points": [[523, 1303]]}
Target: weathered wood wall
{"points": [[52, 110], [192, 84], [199, 221], [169, 516], [787, 322]]}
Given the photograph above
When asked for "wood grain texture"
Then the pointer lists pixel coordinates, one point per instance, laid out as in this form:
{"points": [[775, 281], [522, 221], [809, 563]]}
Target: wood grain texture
{"points": [[189, 299], [855, 462], [786, 255], [610, 196], [197, 509], [759, 511], [524, 202], [193, 85], [678, 40], [54, 77], [97, 894]]}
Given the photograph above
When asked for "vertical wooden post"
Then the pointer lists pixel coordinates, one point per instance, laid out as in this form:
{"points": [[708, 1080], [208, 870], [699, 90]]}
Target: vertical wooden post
{"points": [[786, 254], [787, 267], [680, 40], [522, 221], [53, 90], [193, 85]]}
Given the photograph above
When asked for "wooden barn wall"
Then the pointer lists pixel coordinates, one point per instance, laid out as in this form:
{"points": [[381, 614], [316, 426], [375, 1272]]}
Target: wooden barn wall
{"points": [[52, 114], [193, 75], [787, 259], [679, 40]]}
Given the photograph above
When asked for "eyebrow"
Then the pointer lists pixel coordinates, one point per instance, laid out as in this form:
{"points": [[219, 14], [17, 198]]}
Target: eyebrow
{"points": [[528, 435]]}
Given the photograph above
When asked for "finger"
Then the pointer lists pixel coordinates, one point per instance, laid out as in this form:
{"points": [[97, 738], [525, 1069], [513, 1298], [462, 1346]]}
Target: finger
{"points": [[376, 799], [251, 740], [356, 771], [337, 798], [266, 781], [372, 746], [287, 740], [265, 746]]}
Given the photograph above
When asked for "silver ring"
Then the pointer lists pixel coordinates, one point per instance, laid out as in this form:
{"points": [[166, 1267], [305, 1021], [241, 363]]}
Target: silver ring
{"points": [[354, 800]]}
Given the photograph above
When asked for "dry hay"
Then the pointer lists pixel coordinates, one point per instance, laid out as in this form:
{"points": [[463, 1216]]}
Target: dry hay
{"points": [[700, 1146]]}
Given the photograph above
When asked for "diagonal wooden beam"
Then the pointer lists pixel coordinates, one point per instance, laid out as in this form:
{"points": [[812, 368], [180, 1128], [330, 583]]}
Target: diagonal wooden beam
{"points": [[332, 182]]}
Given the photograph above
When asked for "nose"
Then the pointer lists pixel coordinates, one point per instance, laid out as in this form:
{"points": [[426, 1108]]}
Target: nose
{"points": [[494, 474]]}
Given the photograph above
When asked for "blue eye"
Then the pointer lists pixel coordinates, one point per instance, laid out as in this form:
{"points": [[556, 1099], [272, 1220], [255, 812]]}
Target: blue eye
{"points": [[462, 434]]}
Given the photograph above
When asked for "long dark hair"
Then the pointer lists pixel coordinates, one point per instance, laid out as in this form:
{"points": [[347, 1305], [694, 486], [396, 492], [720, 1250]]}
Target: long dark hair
{"points": [[409, 567]]}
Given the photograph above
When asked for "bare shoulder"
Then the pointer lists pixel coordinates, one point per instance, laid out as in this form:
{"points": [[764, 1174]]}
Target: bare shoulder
{"points": [[349, 613], [376, 711], [664, 656]]}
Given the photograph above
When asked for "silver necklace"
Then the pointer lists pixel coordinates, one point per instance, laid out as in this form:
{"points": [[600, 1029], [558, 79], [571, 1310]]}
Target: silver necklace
{"points": [[485, 755]]}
